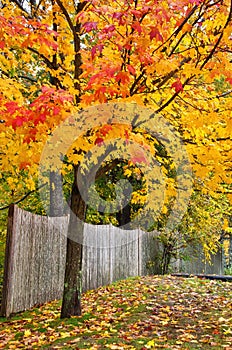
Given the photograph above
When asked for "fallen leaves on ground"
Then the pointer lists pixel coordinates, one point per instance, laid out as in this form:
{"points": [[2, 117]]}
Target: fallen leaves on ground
{"points": [[152, 312]]}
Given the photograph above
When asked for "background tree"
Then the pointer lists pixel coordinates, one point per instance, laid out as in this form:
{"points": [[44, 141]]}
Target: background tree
{"points": [[202, 226]]}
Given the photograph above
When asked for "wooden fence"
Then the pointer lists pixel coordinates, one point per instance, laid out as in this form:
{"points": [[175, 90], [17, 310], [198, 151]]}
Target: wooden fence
{"points": [[35, 258]]}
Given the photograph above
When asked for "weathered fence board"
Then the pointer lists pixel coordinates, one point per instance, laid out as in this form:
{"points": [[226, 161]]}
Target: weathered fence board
{"points": [[35, 258], [110, 254], [197, 264]]}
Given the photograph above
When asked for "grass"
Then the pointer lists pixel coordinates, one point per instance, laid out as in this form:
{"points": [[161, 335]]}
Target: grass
{"points": [[149, 312], [228, 271]]}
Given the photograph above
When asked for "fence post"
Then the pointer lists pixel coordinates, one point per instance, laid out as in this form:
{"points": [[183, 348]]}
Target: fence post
{"points": [[8, 264]]}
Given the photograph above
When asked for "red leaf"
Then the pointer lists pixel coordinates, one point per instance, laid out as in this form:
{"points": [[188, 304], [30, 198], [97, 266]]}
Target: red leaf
{"points": [[154, 33], [119, 16], [11, 107], [136, 26], [24, 165], [122, 77], [126, 135], [105, 129], [196, 2], [131, 69], [177, 85], [100, 94], [56, 110], [18, 121], [2, 44], [95, 48], [99, 141], [109, 28], [31, 136], [136, 13], [229, 79], [88, 26]]}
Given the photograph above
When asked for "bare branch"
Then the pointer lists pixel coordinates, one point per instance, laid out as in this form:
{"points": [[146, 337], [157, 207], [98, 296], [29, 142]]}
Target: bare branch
{"points": [[177, 31], [26, 77], [24, 197], [20, 6], [76, 36], [219, 39], [172, 97], [44, 58]]}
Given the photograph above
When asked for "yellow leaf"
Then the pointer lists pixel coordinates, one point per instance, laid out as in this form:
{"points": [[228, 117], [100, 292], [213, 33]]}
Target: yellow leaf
{"points": [[27, 333], [64, 334], [165, 209], [150, 344], [128, 172], [225, 224]]}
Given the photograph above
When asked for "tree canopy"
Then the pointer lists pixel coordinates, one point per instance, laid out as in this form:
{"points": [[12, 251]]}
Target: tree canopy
{"points": [[58, 57]]}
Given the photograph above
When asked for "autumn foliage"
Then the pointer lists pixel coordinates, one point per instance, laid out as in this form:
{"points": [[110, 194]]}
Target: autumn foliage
{"points": [[172, 56]]}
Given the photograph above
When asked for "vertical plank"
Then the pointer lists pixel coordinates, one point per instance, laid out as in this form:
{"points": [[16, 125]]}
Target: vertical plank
{"points": [[8, 265]]}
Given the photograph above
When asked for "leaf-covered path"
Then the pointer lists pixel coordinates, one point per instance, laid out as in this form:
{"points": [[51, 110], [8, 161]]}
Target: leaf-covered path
{"points": [[138, 313]]}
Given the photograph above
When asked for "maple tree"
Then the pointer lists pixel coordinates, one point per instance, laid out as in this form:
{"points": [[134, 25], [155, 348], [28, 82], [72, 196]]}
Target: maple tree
{"points": [[202, 225], [60, 57]]}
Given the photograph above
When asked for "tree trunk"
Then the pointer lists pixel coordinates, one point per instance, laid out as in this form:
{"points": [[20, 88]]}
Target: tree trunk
{"points": [[166, 258], [56, 195], [71, 304], [124, 216]]}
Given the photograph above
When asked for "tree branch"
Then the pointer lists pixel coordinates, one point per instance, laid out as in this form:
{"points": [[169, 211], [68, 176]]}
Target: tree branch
{"points": [[219, 39], [44, 58], [177, 31], [136, 80], [24, 197], [173, 97], [33, 80], [17, 3], [76, 36], [66, 14]]}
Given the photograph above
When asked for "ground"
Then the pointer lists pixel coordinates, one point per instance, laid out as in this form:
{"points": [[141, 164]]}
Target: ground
{"points": [[149, 312]]}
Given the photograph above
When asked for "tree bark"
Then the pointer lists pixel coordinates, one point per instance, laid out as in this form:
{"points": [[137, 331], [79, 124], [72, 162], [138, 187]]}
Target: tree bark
{"points": [[124, 216], [71, 304], [56, 195]]}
